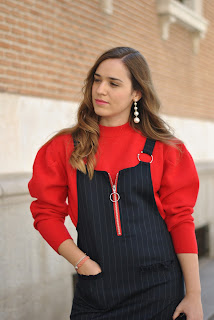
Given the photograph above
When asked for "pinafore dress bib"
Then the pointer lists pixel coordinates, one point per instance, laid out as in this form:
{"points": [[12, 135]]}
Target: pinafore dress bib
{"points": [[120, 228]]}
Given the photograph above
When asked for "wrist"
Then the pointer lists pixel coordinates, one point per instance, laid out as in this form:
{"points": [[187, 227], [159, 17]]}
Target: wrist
{"points": [[81, 262], [193, 293]]}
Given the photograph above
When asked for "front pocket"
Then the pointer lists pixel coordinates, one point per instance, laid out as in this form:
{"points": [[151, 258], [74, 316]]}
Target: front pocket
{"points": [[90, 277], [161, 278], [159, 272], [91, 291], [156, 266]]}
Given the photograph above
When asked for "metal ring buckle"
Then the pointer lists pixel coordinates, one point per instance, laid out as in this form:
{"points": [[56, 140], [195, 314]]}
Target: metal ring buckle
{"points": [[138, 156], [118, 197]]}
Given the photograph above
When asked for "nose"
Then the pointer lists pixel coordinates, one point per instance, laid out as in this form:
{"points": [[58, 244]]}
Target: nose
{"points": [[102, 88]]}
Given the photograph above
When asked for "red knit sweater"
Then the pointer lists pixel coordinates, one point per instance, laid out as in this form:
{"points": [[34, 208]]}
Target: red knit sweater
{"points": [[174, 178]]}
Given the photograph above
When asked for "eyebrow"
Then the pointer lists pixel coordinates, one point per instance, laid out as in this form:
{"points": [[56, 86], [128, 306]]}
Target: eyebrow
{"points": [[111, 78]]}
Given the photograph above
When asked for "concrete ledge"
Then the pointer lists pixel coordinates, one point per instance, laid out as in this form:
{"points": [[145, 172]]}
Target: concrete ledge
{"points": [[13, 184], [205, 167]]}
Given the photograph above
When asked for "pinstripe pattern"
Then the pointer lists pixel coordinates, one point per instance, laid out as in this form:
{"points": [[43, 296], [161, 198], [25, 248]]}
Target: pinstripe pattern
{"points": [[141, 277]]}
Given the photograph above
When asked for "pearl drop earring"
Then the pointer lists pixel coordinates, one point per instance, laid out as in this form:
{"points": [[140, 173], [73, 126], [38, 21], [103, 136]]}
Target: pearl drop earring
{"points": [[136, 113]]}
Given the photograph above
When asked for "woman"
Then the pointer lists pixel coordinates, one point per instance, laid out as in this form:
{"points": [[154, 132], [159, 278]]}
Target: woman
{"points": [[131, 188]]}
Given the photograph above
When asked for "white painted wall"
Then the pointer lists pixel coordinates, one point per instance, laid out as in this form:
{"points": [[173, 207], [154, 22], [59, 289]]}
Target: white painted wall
{"points": [[26, 124], [196, 134]]}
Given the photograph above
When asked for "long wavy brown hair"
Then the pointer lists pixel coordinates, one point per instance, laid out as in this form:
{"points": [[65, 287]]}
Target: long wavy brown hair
{"points": [[86, 131]]}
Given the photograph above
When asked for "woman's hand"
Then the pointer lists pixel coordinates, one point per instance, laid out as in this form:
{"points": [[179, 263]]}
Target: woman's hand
{"points": [[89, 268], [192, 307]]}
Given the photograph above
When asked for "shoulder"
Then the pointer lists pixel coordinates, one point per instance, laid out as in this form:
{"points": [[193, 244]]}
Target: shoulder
{"points": [[57, 149], [175, 167], [61, 142], [176, 155], [172, 151]]}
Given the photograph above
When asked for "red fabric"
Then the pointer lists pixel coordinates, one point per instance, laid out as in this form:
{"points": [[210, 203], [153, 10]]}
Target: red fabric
{"points": [[174, 177]]}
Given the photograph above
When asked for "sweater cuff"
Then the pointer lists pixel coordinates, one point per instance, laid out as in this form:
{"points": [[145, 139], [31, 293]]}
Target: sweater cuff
{"points": [[184, 239], [54, 233]]}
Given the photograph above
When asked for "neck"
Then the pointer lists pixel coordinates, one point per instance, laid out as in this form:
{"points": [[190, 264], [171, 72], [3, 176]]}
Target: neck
{"points": [[113, 122], [115, 131]]}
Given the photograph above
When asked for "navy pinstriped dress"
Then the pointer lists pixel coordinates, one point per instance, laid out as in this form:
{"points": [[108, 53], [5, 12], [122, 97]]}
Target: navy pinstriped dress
{"points": [[120, 228]]}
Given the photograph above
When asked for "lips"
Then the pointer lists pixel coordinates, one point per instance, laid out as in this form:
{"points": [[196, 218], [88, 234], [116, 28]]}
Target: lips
{"points": [[98, 101]]}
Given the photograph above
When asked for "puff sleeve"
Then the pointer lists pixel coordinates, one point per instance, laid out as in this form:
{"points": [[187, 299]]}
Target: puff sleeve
{"points": [[49, 186], [178, 194]]}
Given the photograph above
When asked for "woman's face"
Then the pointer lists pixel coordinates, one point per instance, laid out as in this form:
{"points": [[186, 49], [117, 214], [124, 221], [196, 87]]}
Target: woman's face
{"points": [[112, 93]]}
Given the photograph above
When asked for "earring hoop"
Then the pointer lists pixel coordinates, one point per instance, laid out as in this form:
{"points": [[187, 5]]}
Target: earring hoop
{"points": [[136, 113]]}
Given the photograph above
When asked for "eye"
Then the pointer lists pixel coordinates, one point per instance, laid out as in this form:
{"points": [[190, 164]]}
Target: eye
{"points": [[96, 80], [114, 84]]}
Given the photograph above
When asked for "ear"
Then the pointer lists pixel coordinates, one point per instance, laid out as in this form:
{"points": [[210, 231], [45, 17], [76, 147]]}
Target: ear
{"points": [[137, 95]]}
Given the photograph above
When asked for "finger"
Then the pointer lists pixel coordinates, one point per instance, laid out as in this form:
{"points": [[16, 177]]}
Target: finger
{"points": [[176, 314]]}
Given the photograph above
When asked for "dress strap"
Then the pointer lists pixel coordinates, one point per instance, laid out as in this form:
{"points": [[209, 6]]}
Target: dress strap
{"points": [[148, 149], [149, 146]]}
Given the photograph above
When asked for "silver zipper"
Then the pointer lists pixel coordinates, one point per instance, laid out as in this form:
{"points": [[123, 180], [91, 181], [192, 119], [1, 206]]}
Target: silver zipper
{"points": [[115, 197], [114, 188]]}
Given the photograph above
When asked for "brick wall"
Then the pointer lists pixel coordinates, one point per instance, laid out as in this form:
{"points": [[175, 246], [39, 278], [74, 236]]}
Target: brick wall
{"points": [[47, 47]]}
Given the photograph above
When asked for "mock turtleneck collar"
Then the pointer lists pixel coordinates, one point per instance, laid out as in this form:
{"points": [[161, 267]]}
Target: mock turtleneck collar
{"points": [[115, 131]]}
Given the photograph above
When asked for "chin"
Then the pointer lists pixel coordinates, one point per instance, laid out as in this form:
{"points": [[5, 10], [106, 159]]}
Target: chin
{"points": [[100, 112]]}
